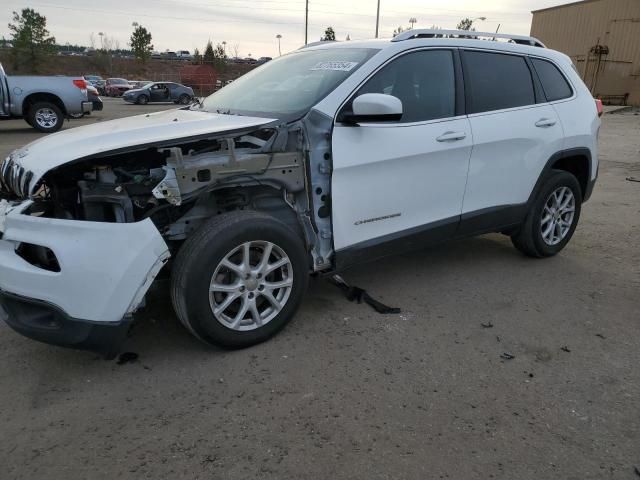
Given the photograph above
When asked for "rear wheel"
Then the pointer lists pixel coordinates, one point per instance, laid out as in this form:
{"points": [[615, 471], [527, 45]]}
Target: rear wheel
{"points": [[239, 279], [143, 100], [553, 217], [45, 117]]}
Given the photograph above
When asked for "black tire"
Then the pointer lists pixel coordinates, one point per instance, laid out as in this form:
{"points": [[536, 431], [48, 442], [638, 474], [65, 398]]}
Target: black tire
{"points": [[142, 100], [184, 99], [201, 254], [529, 238], [55, 114]]}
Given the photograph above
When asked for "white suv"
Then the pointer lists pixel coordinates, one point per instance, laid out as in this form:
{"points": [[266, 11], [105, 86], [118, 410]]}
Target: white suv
{"points": [[329, 156]]}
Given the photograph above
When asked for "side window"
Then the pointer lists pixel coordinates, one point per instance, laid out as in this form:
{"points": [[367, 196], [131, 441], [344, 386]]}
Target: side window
{"points": [[494, 81], [424, 81], [554, 84]]}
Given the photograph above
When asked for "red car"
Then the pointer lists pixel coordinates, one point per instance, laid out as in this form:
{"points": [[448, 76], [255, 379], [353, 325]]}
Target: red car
{"points": [[115, 87]]}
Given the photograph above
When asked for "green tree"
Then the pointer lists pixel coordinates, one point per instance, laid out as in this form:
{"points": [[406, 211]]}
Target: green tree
{"points": [[31, 39], [398, 30], [197, 58], [209, 54], [465, 24], [141, 43], [329, 35], [215, 56]]}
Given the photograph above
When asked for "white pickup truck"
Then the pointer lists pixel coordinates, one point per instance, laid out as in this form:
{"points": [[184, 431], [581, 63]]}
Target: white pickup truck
{"points": [[43, 102]]}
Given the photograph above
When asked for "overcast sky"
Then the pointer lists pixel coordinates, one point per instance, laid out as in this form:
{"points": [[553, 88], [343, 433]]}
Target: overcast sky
{"points": [[252, 25]]}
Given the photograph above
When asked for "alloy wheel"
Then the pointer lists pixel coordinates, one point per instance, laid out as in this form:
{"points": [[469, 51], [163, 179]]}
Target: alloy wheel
{"points": [[46, 118], [557, 215], [251, 285]]}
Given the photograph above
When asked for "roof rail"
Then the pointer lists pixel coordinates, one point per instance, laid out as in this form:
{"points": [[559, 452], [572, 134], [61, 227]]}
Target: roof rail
{"points": [[429, 33]]}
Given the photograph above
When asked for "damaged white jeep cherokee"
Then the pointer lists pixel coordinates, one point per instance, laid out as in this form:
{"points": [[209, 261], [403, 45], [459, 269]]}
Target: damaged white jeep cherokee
{"points": [[320, 159]]}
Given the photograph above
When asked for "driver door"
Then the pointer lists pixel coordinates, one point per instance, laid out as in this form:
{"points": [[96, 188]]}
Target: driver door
{"points": [[157, 92], [398, 185]]}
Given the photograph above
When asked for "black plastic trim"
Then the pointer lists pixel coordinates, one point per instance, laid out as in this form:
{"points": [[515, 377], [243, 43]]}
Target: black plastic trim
{"points": [[48, 323], [398, 242]]}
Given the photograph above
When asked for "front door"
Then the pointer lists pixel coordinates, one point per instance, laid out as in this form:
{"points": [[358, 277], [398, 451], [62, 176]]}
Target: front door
{"points": [[398, 185]]}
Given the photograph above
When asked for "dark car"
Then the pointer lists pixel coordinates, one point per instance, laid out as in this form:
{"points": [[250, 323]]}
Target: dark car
{"points": [[160, 92], [97, 81], [115, 87]]}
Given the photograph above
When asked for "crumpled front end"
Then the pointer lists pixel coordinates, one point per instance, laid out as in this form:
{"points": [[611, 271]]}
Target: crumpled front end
{"points": [[61, 281]]}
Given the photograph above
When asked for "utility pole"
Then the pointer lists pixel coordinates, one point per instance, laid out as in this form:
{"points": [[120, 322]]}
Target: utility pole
{"points": [[278, 36], [378, 19], [306, 22]]}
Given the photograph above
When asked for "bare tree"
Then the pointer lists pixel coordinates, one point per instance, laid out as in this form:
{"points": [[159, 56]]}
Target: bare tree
{"points": [[235, 48]]}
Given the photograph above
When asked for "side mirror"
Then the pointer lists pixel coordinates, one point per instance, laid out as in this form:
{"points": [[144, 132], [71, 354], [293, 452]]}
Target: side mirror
{"points": [[375, 107]]}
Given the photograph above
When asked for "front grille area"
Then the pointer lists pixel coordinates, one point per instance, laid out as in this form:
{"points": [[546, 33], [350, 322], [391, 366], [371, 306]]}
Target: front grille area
{"points": [[14, 179]]}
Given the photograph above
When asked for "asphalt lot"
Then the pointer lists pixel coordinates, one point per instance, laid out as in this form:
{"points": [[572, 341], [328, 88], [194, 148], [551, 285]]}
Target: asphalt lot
{"points": [[346, 393]]}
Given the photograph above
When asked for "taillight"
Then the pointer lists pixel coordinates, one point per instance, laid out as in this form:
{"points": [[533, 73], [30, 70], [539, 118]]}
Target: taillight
{"points": [[81, 84], [599, 107]]}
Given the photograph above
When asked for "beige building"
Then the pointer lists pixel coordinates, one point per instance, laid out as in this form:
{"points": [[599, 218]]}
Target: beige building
{"points": [[602, 37]]}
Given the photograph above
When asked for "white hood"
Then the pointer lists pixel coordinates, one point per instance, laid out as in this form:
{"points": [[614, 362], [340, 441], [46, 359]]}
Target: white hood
{"points": [[68, 145]]}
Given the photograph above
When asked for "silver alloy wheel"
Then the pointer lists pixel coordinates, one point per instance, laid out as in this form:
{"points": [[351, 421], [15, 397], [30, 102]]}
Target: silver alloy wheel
{"points": [[557, 215], [251, 285], [46, 118]]}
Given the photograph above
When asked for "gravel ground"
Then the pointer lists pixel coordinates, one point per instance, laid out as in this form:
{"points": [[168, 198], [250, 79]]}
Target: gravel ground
{"points": [[346, 393]]}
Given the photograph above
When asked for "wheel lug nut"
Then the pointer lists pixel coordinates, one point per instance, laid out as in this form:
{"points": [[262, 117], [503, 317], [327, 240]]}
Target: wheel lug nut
{"points": [[259, 275], [242, 288], [261, 287], [250, 295]]}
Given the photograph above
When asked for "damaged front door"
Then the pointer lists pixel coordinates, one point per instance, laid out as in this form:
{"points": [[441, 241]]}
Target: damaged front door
{"points": [[402, 177]]}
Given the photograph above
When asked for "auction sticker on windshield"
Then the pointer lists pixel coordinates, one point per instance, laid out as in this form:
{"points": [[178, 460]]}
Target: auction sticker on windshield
{"points": [[338, 66]]}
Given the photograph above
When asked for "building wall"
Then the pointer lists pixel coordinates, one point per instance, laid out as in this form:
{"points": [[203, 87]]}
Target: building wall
{"points": [[577, 27]]}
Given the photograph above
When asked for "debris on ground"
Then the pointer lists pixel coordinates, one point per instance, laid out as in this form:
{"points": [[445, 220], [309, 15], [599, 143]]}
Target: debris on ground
{"points": [[632, 179], [507, 356], [357, 294], [601, 336], [127, 357], [487, 325], [636, 469], [564, 348]]}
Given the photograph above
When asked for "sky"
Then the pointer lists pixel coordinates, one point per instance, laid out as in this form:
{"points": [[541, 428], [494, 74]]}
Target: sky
{"points": [[251, 26]]}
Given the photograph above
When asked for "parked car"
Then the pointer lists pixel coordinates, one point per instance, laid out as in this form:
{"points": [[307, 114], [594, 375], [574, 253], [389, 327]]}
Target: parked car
{"points": [[43, 102], [96, 102], [184, 55], [160, 92], [262, 60], [115, 87], [97, 81], [321, 159]]}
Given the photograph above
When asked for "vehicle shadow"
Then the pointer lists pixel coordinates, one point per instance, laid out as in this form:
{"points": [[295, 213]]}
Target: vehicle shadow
{"points": [[158, 333]]}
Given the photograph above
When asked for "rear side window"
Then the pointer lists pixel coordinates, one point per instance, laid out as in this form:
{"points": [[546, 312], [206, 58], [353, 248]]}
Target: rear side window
{"points": [[494, 81], [554, 84]]}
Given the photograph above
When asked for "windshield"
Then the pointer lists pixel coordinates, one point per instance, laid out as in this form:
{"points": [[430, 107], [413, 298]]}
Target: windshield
{"points": [[118, 81], [289, 85]]}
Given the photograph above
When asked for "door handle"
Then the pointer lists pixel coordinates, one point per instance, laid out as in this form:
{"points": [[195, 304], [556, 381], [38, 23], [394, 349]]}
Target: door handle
{"points": [[545, 122], [451, 136]]}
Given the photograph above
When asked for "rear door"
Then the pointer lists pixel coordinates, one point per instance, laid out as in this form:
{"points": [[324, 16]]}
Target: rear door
{"points": [[401, 183], [515, 132]]}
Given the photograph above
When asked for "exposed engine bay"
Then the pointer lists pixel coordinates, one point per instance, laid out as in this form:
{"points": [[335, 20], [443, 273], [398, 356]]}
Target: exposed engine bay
{"points": [[178, 186]]}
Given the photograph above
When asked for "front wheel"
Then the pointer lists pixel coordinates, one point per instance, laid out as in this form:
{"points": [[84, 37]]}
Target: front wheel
{"points": [[239, 279], [45, 117], [142, 100], [184, 99], [552, 218]]}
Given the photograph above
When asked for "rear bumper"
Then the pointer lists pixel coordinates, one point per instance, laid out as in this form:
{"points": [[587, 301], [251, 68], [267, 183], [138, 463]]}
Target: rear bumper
{"points": [[47, 323], [87, 107]]}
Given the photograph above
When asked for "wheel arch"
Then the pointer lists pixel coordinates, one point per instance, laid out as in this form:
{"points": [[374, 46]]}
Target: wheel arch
{"points": [[34, 98], [576, 161]]}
